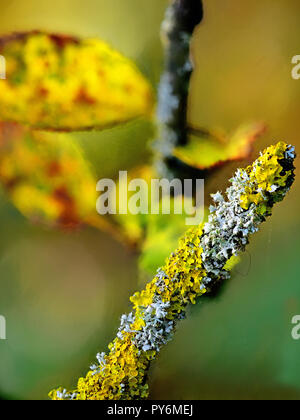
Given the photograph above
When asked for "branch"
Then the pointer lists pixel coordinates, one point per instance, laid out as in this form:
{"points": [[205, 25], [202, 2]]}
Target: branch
{"points": [[181, 18], [200, 263]]}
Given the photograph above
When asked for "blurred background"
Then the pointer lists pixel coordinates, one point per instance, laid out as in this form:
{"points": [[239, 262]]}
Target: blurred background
{"points": [[62, 293]]}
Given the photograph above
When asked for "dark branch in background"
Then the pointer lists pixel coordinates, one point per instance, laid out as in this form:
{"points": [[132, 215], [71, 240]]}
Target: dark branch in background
{"points": [[182, 16]]}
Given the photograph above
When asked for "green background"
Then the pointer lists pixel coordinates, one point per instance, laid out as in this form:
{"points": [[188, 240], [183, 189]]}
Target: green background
{"points": [[62, 294]]}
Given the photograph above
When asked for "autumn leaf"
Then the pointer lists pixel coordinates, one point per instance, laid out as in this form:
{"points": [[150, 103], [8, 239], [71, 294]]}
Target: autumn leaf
{"points": [[62, 83], [45, 176], [211, 150], [131, 225]]}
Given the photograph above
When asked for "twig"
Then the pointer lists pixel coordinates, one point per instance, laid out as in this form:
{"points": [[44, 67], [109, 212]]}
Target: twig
{"points": [[181, 18], [201, 262]]}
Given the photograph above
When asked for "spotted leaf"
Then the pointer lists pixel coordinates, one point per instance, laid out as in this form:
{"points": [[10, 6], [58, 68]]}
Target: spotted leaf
{"points": [[63, 83], [209, 150]]}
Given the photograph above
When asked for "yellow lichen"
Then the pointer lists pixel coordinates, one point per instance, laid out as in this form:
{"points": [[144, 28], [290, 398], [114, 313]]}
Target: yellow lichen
{"points": [[122, 374], [265, 176]]}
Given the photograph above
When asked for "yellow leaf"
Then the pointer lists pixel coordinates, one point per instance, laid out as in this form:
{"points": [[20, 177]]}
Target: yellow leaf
{"points": [[209, 151], [46, 176], [63, 83], [133, 226]]}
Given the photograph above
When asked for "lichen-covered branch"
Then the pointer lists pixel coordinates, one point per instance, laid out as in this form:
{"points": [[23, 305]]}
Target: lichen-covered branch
{"points": [[201, 261], [182, 16]]}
